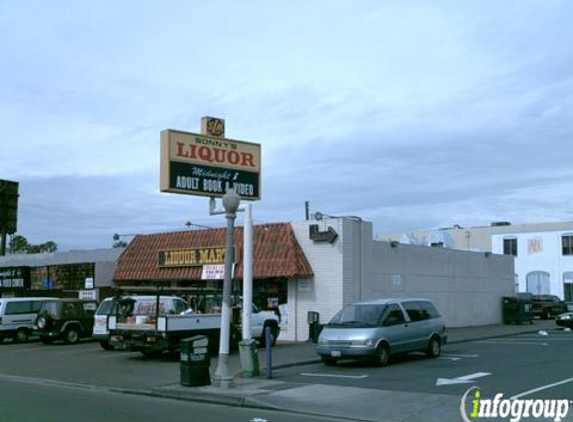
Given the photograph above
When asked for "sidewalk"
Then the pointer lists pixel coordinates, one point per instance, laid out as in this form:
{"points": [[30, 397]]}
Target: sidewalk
{"points": [[336, 401]]}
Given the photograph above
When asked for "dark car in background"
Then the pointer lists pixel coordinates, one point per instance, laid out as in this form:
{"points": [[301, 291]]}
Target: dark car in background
{"points": [[547, 306], [65, 319], [565, 320]]}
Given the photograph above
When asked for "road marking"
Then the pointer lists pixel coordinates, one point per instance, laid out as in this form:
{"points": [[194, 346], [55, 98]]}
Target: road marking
{"points": [[552, 338], [544, 387], [511, 343], [458, 355], [309, 374], [465, 379]]}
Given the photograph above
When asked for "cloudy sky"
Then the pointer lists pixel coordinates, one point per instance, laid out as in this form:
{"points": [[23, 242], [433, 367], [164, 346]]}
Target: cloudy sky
{"points": [[409, 114]]}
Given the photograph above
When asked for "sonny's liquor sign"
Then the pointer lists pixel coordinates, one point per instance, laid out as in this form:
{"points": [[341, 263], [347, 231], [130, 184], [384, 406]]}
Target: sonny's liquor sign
{"points": [[205, 165]]}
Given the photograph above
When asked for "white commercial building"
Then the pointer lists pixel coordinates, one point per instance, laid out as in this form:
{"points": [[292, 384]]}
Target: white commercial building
{"points": [[543, 260], [467, 287]]}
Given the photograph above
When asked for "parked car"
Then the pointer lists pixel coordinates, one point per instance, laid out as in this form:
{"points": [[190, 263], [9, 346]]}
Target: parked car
{"points": [[565, 320], [65, 319], [17, 317], [375, 330], [547, 306]]}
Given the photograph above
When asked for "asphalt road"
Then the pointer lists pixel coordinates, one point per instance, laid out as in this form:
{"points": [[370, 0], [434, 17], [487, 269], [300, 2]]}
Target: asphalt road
{"points": [[28, 400]]}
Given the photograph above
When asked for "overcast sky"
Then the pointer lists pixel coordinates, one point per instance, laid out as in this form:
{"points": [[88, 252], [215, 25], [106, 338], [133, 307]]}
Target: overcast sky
{"points": [[409, 114]]}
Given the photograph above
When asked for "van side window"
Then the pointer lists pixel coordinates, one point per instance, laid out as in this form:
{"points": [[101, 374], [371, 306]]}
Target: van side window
{"points": [[36, 305], [430, 309], [415, 311], [393, 316], [18, 308]]}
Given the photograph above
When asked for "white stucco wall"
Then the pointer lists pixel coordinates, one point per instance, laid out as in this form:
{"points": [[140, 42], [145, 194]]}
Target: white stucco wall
{"points": [[466, 286]]}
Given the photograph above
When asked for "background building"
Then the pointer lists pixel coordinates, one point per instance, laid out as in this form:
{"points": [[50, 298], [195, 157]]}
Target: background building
{"points": [[64, 274], [543, 252]]}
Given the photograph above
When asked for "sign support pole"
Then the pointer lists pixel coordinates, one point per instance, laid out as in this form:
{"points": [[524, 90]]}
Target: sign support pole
{"points": [[223, 377], [247, 272]]}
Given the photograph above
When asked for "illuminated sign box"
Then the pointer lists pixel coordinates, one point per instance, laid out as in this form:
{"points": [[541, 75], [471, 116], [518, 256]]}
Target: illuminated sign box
{"points": [[203, 165]]}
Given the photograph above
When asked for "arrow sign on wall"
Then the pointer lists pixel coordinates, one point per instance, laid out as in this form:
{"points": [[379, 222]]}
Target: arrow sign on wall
{"points": [[329, 235], [461, 380]]}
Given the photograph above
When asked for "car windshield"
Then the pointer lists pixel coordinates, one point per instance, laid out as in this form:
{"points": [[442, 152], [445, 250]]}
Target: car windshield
{"points": [[358, 315], [107, 307]]}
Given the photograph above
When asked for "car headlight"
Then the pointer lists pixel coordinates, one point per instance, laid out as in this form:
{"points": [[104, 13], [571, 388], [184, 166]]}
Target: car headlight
{"points": [[567, 317], [41, 322], [367, 343]]}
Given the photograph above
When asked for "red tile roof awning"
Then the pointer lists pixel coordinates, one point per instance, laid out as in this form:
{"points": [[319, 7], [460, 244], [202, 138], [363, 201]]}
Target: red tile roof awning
{"points": [[276, 253]]}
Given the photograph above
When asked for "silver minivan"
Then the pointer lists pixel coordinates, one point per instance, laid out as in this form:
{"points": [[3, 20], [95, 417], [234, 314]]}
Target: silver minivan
{"points": [[377, 329]]}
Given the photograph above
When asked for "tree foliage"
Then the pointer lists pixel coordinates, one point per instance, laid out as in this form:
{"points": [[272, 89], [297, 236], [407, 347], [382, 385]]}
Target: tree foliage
{"points": [[19, 244]]}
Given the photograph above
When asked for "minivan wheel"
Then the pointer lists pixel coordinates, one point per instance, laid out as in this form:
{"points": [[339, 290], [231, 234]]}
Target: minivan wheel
{"points": [[434, 347], [21, 335], [328, 360], [71, 335], [382, 355]]}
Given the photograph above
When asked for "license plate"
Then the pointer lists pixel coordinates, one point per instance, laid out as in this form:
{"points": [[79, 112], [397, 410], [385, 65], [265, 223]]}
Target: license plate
{"points": [[335, 354]]}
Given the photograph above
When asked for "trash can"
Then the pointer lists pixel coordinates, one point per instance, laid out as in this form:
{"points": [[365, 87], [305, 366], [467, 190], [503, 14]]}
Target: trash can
{"points": [[516, 309], [249, 355], [314, 327], [195, 361]]}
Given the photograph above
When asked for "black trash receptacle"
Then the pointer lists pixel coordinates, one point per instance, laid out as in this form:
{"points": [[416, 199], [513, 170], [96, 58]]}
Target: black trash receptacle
{"points": [[517, 309], [314, 327], [195, 361]]}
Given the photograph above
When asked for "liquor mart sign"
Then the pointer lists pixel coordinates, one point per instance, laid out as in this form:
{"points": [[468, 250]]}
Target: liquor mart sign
{"points": [[188, 257], [204, 165]]}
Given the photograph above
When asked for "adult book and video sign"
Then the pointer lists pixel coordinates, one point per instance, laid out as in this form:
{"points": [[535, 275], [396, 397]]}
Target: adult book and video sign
{"points": [[203, 165]]}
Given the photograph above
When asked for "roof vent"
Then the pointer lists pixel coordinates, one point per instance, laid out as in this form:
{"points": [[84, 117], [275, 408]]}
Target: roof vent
{"points": [[500, 223]]}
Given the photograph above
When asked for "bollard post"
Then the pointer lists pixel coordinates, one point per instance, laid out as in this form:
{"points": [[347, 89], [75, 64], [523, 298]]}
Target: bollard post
{"points": [[269, 345]]}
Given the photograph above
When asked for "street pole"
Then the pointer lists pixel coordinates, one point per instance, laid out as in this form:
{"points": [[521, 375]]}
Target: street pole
{"points": [[223, 377], [247, 272]]}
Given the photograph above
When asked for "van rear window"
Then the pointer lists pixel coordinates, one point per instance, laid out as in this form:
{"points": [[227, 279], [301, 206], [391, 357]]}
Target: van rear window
{"points": [[420, 310]]}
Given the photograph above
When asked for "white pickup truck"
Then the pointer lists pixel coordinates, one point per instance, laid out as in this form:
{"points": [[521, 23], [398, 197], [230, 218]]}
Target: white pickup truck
{"points": [[154, 335], [141, 305]]}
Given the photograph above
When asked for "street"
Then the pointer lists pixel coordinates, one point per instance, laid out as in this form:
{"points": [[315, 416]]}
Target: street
{"points": [[26, 401]]}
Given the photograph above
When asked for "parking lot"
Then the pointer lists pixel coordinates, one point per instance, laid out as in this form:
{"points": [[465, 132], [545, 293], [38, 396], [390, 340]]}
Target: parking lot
{"points": [[533, 365]]}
